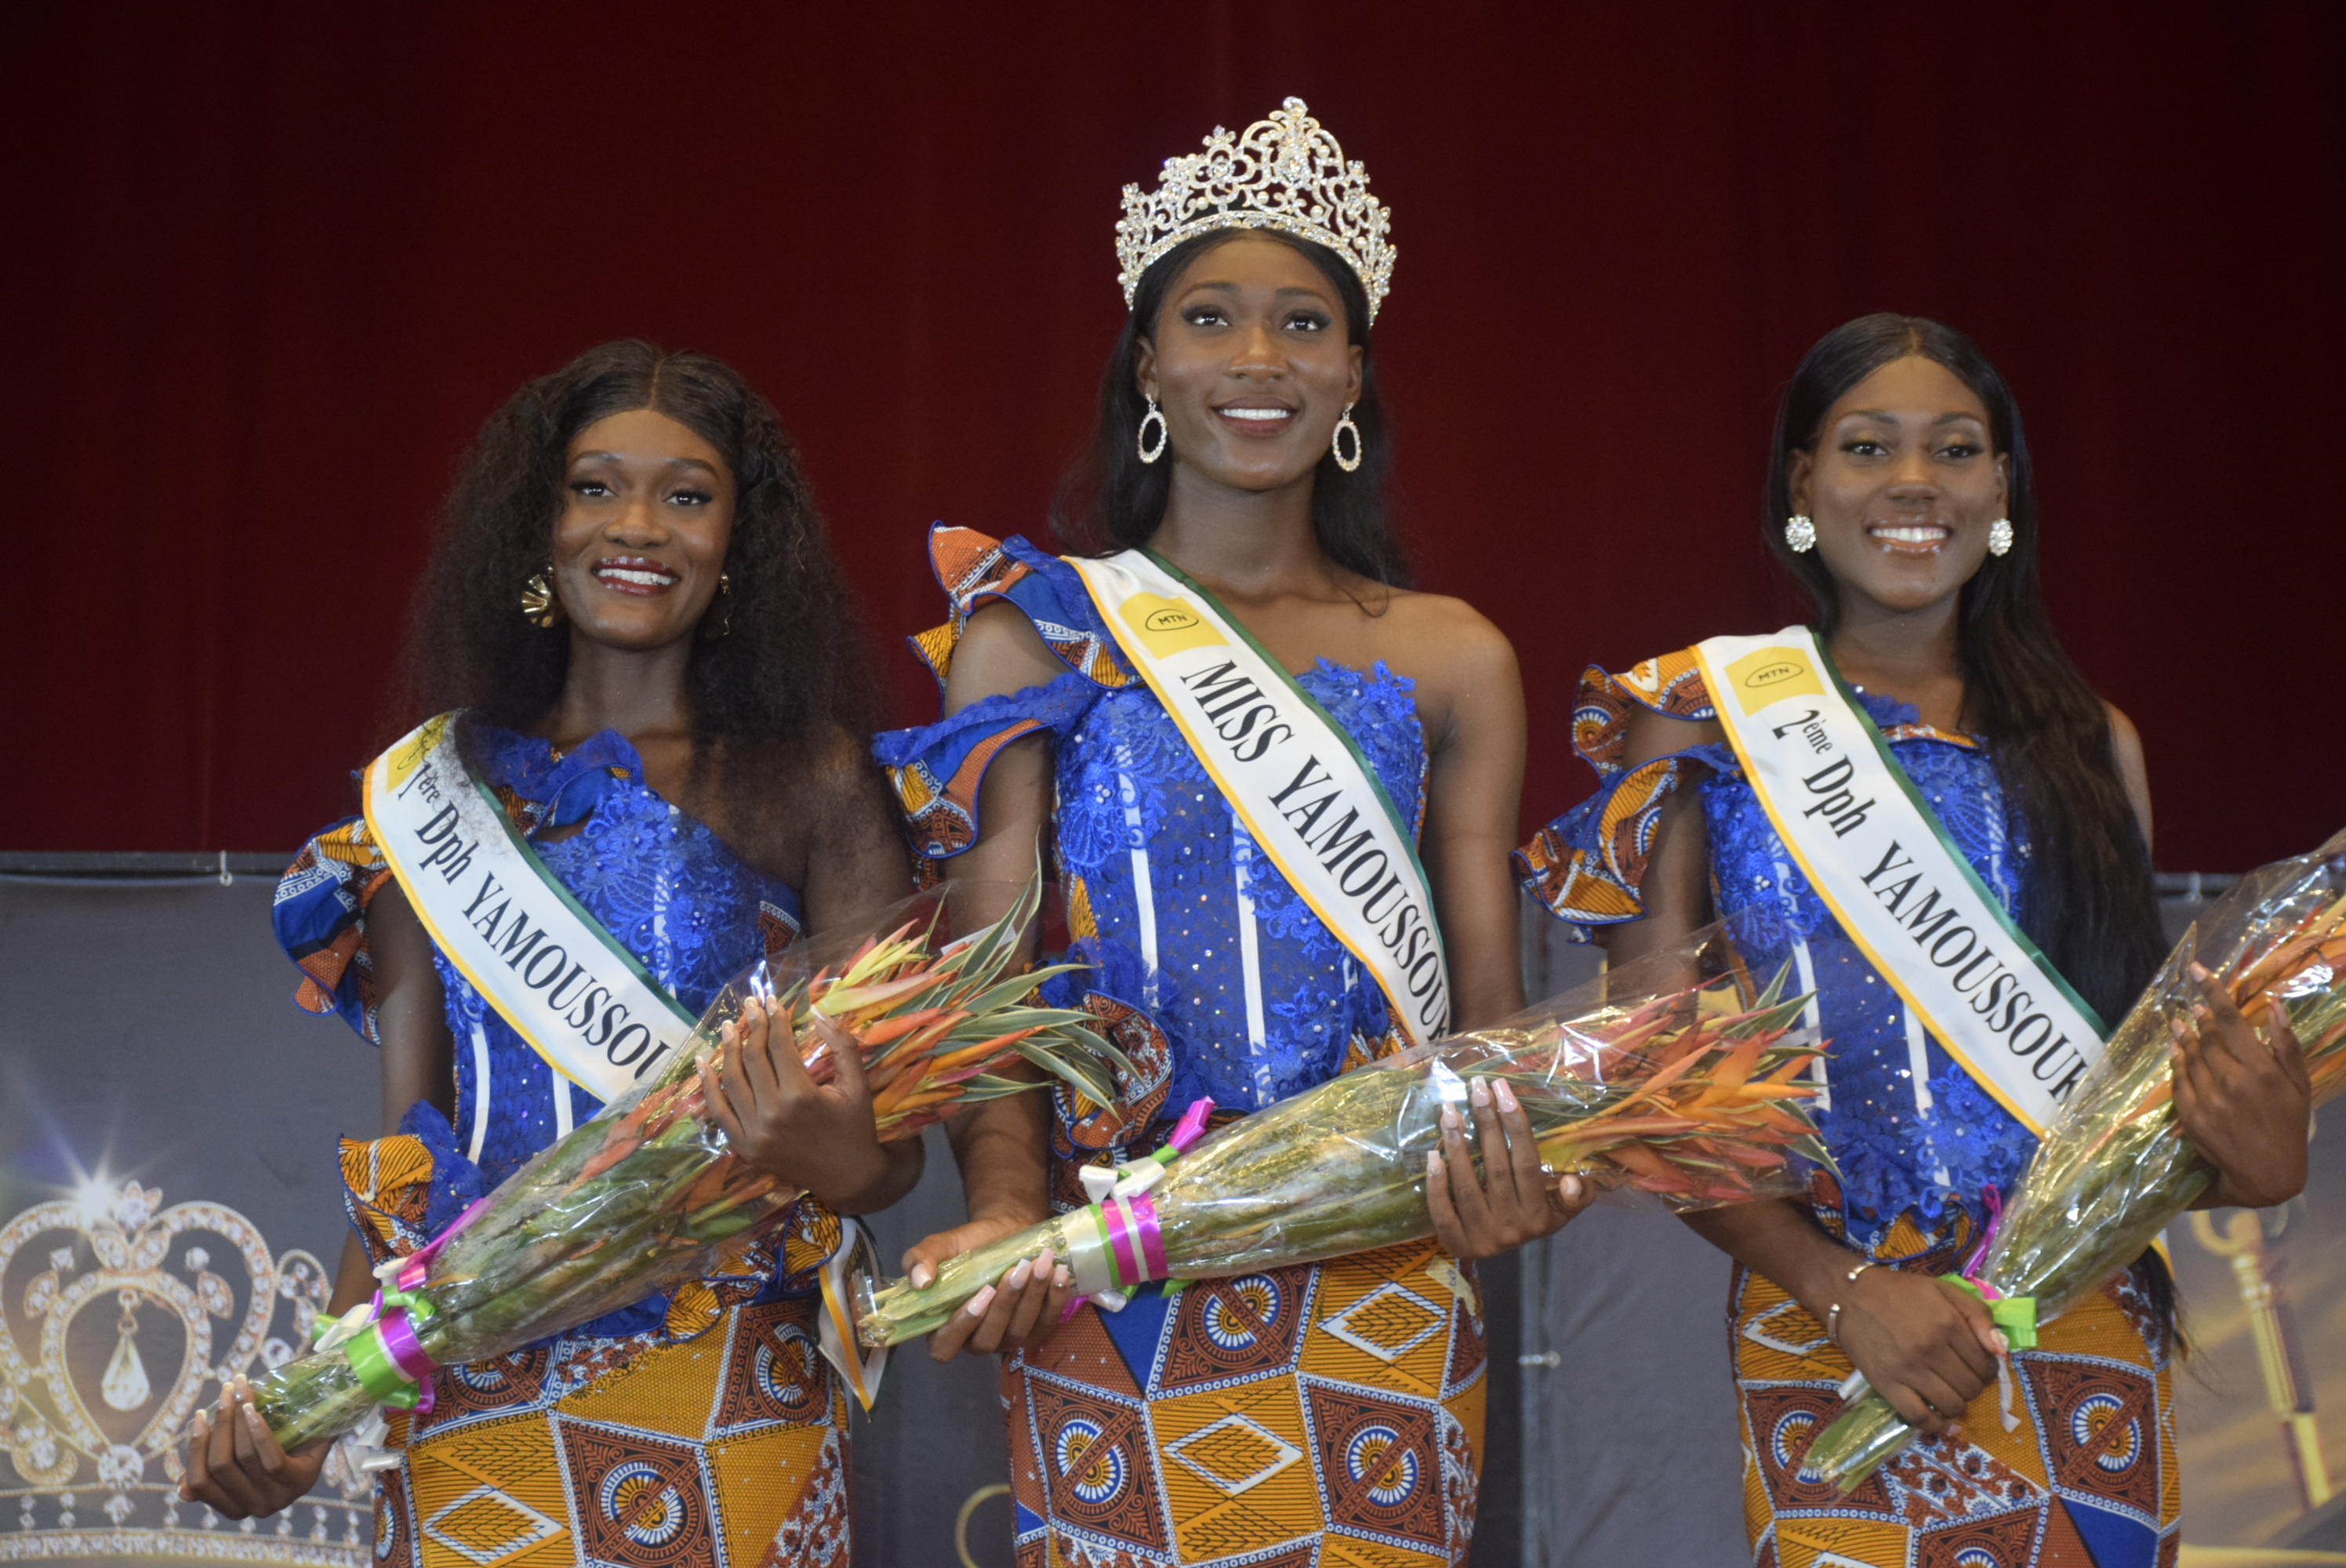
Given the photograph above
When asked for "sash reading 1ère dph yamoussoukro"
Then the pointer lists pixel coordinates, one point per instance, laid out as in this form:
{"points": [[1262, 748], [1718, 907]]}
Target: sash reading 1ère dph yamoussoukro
{"points": [[582, 1001], [1878, 855], [1295, 779]]}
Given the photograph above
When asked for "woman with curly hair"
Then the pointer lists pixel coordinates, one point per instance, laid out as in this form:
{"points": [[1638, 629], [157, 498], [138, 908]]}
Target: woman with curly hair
{"points": [[635, 619]]}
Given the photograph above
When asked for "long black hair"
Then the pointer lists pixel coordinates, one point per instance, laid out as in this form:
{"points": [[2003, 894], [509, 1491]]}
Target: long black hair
{"points": [[2090, 901], [1109, 499], [770, 700]]}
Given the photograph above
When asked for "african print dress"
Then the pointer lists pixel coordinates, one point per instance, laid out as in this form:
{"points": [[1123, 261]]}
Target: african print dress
{"points": [[1307, 1415], [2088, 1475], [699, 1430]]}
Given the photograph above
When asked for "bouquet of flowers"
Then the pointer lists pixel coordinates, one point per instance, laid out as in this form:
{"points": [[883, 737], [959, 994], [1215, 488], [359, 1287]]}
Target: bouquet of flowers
{"points": [[2116, 1169], [1675, 1076], [648, 1194]]}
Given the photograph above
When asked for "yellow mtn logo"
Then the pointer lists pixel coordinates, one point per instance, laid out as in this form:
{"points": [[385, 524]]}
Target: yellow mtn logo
{"points": [[1765, 677], [1167, 626]]}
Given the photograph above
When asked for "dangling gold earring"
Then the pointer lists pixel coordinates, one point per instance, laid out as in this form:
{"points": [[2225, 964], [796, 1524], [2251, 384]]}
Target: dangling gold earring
{"points": [[539, 604], [724, 607], [1344, 426]]}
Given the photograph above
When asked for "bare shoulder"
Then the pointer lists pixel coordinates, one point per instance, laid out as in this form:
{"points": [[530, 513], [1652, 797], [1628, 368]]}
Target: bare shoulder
{"points": [[1000, 651], [2134, 772], [1448, 639]]}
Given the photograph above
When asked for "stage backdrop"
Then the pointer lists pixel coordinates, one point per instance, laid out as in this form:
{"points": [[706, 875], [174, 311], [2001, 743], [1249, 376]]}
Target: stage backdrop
{"points": [[273, 264]]}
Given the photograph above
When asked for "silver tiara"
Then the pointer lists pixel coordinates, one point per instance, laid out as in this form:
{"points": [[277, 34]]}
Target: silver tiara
{"points": [[1284, 173]]}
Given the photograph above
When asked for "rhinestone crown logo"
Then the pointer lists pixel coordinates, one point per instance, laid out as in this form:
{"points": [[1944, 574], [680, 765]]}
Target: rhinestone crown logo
{"points": [[1285, 173]]}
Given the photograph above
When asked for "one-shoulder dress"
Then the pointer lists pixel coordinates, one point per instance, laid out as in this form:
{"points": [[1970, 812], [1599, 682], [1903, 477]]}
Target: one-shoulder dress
{"points": [[2088, 1472], [697, 1430], [1318, 1414]]}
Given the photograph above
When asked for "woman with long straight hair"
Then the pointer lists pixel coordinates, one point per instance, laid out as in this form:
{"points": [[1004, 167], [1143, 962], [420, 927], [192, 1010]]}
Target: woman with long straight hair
{"points": [[637, 641], [1918, 809], [1233, 728]]}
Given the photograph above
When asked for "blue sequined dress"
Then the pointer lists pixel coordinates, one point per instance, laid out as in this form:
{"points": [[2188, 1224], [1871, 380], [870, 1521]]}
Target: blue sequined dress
{"points": [[1218, 981], [694, 915], [2084, 1469]]}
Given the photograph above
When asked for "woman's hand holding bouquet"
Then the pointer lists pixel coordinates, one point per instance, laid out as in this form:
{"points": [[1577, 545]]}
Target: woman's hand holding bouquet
{"points": [[2203, 1096]]}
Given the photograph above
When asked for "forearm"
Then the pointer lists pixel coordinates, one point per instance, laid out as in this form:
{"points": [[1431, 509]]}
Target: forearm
{"points": [[1003, 1149], [1778, 1239]]}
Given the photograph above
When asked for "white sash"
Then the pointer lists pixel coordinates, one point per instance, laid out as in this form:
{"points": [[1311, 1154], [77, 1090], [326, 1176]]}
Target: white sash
{"points": [[1879, 858], [564, 984], [1304, 790]]}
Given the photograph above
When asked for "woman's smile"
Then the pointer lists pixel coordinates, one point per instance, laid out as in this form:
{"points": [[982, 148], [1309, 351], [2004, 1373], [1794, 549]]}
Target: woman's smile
{"points": [[1258, 419], [1909, 538], [634, 575]]}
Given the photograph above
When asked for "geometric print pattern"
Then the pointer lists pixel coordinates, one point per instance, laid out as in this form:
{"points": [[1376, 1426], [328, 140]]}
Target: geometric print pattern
{"points": [[1324, 1414], [2087, 1479], [727, 1451]]}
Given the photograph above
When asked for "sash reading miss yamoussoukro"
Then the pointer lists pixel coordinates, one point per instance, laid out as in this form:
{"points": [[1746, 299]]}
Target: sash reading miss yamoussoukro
{"points": [[1304, 792], [1879, 858]]}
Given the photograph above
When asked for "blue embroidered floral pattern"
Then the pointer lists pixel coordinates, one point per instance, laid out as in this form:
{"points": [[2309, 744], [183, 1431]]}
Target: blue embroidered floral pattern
{"points": [[1258, 1000], [1901, 1144]]}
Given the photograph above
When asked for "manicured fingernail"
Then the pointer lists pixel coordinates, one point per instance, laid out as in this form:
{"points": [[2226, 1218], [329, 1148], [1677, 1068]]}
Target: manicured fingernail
{"points": [[2199, 970], [252, 1420], [203, 1421], [1432, 1166], [1570, 1187], [1020, 1275], [1062, 1278], [981, 1301], [1044, 1259], [921, 1276], [1451, 1118], [1482, 1093], [2002, 1345], [1506, 1097]]}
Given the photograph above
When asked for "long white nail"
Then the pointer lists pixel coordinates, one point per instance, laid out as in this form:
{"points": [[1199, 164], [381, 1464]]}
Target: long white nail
{"points": [[1482, 1093], [922, 1275], [1020, 1275], [1506, 1097], [981, 1301]]}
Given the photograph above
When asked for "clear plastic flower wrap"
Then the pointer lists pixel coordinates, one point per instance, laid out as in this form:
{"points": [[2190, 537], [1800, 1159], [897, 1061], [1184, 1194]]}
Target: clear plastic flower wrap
{"points": [[2116, 1170], [1676, 1075], [648, 1194]]}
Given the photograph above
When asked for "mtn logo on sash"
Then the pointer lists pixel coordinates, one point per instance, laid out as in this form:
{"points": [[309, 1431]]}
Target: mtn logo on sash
{"points": [[1168, 627], [1765, 677]]}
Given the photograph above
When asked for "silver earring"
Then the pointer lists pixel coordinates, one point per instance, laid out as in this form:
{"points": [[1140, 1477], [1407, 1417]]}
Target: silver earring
{"points": [[1336, 442], [1800, 535], [1164, 434], [1999, 537]]}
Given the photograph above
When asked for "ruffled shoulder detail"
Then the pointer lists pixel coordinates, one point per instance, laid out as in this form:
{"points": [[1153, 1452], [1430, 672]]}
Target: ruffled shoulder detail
{"points": [[319, 916], [938, 769], [1588, 865], [975, 569]]}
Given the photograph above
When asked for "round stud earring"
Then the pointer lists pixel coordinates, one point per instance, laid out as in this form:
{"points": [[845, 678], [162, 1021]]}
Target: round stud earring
{"points": [[1999, 537], [1800, 535]]}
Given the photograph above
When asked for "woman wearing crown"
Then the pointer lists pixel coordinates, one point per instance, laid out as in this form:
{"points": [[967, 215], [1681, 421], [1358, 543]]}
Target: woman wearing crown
{"points": [[1892, 804], [1275, 785], [634, 613]]}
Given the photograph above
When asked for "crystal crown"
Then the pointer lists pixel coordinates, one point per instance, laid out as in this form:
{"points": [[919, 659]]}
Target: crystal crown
{"points": [[1284, 173]]}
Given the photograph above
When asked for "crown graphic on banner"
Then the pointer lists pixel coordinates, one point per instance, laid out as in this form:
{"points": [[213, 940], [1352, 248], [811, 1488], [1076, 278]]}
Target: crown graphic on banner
{"points": [[1284, 173]]}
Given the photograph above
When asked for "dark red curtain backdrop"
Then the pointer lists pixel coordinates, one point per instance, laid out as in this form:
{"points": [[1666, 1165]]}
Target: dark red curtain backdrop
{"points": [[273, 263]]}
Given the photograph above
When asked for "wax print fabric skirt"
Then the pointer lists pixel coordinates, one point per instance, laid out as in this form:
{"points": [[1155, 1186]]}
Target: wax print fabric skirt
{"points": [[2085, 1476]]}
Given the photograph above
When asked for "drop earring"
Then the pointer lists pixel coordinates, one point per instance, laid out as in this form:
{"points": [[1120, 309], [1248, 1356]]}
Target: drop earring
{"points": [[539, 605], [1999, 537], [712, 629], [1800, 535], [1344, 426], [1150, 453]]}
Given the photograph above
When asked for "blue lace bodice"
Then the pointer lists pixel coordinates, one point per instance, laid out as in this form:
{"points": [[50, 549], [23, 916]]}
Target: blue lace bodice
{"points": [[1258, 999], [1909, 1128], [1171, 902], [659, 881]]}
